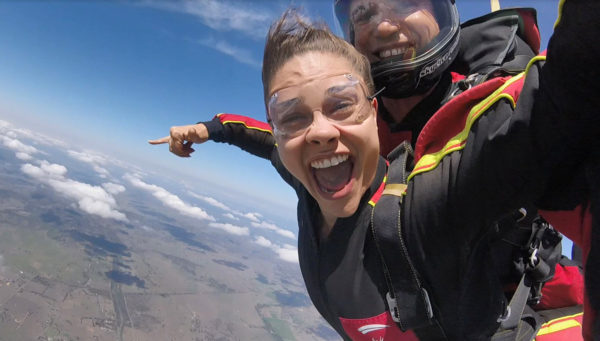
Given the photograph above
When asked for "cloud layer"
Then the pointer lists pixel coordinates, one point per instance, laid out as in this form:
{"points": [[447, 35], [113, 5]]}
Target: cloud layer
{"points": [[232, 229], [169, 199], [91, 199], [94, 200], [100, 200], [285, 252], [254, 218], [274, 228], [22, 151], [96, 161]]}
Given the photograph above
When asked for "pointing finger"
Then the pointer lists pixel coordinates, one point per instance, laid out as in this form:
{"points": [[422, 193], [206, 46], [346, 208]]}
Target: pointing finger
{"points": [[160, 141]]}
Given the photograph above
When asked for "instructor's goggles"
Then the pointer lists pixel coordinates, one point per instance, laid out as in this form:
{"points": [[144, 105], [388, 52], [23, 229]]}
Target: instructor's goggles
{"points": [[340, 99]]}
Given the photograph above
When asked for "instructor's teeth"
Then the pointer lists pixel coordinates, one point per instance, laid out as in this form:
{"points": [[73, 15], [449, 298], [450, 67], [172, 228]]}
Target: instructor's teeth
{"points": [[392, 52]]}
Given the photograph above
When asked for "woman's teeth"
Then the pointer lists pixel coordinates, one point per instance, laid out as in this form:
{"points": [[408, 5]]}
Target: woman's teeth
{"points": [[326, 163]]}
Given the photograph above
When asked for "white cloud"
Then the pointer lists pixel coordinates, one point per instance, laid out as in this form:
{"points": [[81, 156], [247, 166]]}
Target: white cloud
{"points": [[240, 54], [22, 151], [33, 171], [255, 217], [146, 228], [87, 157], [288, 255], [53, 170], [101, 208], [262, 241], [14, 133], [91, 199], [230, 216], [286, 233], [102, 172], [113, 188], [223, 16], [275, 228], [170, 200], [211, 201], [23, 156], [95, 160], [289, 247], [232, 229], [286, 252]]}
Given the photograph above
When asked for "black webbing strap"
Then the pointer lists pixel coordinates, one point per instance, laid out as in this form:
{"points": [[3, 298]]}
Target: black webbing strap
{"points": [[539, 267], [516, 306], [407, 299], [528, 326]]}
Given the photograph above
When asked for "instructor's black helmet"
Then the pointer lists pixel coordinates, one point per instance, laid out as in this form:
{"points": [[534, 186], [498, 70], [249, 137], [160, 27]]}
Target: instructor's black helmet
{"points": [[413, 62]]}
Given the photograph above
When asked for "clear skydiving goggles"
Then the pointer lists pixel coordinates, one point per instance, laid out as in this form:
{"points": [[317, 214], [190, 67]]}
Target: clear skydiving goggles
{"points": [[341, 99]]}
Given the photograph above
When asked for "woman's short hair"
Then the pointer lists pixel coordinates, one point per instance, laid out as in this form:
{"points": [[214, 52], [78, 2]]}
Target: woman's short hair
{"points": [[292, 35]]}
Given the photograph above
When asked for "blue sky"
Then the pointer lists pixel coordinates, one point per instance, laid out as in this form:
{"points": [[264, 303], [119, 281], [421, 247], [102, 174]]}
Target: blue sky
{"points": [[109, 75]]}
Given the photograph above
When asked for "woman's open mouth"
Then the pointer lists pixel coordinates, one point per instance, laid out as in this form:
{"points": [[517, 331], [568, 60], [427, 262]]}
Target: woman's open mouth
{"points": [[333, 174]]}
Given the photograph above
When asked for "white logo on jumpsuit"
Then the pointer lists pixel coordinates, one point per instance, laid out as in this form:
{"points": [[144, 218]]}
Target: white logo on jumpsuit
{"points": [[372, 328]]}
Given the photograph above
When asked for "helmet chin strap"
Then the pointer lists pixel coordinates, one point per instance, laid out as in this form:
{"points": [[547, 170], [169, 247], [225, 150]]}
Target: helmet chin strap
{"points": [[495, 4], [396, 90]]}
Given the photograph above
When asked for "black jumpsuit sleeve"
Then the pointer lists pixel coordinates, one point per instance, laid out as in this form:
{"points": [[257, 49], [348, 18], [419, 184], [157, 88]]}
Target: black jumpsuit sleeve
{"points": [[570, 84], [514, 157], [253, 136]]}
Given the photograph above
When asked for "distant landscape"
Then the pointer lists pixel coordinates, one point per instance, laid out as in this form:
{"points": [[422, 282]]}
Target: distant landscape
{"points": [[90, 251]]}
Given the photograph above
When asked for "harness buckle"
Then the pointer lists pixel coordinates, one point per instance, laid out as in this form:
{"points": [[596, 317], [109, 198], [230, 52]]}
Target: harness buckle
{"points": [[533, 259], [427, 303], [393, 306], [505, 315]]}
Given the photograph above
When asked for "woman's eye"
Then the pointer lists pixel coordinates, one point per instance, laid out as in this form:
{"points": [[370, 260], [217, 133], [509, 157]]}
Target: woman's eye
{"points": [[293, 120], [340, 110], [342, 105]]}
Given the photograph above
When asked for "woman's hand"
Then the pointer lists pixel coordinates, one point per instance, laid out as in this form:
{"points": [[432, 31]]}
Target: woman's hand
{"points": [[181, 138]]}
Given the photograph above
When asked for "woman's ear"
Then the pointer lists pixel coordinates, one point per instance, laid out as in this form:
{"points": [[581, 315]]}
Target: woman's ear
{"points": [[375, 105]]}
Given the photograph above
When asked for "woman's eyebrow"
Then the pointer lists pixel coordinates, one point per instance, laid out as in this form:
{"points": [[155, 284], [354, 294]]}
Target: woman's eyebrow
{"points": [[338, 88]]}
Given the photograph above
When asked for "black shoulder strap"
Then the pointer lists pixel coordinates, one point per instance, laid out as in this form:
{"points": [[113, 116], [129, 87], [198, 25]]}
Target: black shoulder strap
{"points": [[506, 51], [408, 300]]}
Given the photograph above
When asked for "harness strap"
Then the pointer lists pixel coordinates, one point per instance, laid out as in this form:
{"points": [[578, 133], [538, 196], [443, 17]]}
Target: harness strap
{"points": [[538, 269], [527, 328], [407, 298], [516, 306], [500, 69]]}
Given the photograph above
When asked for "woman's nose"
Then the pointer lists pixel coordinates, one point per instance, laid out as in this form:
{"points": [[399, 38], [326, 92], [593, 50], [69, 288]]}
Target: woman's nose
{"points": [[322, 130]]}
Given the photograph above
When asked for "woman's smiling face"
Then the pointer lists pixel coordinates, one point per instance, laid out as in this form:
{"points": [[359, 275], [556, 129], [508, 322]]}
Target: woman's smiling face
{"points": [[335, 155]]}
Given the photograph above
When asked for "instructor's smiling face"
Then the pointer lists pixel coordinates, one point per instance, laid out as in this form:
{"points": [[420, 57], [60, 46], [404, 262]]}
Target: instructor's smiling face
{"points": [[390, 28], [325, 128]]}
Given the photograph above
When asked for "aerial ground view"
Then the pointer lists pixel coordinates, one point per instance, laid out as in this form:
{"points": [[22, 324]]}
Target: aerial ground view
{"points": [[90, 251]]}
